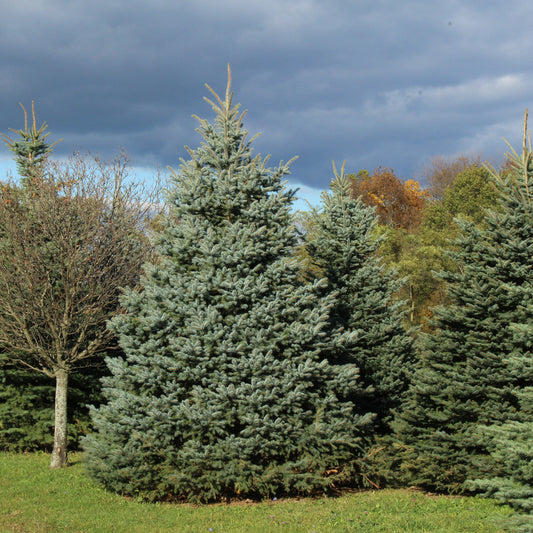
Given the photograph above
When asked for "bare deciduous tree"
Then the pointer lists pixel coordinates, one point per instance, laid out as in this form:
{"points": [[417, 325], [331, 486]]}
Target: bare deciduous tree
{"points": [[441, 171], [69, 241]]}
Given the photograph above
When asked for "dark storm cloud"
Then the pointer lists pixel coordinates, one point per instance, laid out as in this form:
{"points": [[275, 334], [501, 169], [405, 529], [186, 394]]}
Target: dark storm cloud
{"points": [[373, 82]]}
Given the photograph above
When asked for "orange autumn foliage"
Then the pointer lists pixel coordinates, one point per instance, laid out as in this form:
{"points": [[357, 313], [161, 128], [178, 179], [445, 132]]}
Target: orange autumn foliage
{"points": [[398, 204]]}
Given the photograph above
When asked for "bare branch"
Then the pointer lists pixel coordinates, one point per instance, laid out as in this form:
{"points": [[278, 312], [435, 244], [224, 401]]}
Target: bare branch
{"points": [[67, 248]]}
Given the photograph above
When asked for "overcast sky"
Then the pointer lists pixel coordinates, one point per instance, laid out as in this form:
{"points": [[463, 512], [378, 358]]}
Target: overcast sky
{"points": [[372, 82]]}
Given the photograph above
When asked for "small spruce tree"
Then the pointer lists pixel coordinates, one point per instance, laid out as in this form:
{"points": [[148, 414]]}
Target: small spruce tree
{"points": [[224, 390], [342, 244], [469, 376], [31, 149]]}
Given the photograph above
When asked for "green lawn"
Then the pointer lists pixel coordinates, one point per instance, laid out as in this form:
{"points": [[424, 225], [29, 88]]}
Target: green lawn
{"points": [[34, 498]]}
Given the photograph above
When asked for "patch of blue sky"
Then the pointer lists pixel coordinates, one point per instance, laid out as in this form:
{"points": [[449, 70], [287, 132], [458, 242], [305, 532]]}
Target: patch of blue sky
{"points": [[306, 196]]}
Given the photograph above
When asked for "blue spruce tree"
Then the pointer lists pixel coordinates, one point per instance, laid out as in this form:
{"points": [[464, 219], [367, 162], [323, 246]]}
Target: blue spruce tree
{"points": [[31, 150], [511, 443], [343, 244], [225, 389], [476, 365]]}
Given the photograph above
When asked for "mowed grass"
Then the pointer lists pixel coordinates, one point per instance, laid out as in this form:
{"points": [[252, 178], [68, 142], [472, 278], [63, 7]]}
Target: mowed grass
{"points": [[35, 499]]}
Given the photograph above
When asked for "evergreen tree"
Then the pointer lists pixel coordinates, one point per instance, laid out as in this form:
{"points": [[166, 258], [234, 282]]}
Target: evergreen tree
{"points": [[27, 407], [511, 443], [510, 446], [469, 375], [224, 390], [31, 149], [343, 245]]}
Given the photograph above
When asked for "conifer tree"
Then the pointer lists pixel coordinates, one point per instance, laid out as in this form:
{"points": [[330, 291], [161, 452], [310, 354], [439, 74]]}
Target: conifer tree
{"points": [[224, 390], [469, 375], [511, 444], [27, 407], [31, 149], [343, 244], [511, 448]]}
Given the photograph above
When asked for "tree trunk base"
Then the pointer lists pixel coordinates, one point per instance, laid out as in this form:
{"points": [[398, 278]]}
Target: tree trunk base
{"points": [[59, 453]]}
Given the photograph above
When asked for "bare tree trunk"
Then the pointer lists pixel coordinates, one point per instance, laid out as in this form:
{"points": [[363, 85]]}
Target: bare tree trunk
{"points": [[59, 453]]}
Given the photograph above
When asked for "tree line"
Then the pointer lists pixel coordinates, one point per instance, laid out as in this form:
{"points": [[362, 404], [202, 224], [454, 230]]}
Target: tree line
{"points": [[246, 358]]}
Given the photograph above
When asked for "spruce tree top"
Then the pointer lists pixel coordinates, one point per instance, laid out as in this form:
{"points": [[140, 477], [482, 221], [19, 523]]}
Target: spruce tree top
{"points": [[222, 180], [31, 150]]}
